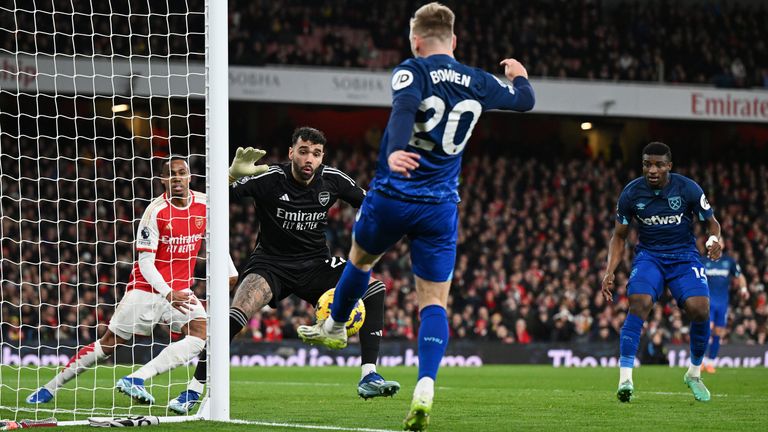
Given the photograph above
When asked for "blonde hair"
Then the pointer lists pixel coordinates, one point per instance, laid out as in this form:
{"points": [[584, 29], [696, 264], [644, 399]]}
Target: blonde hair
{"points": [[433, 20]]}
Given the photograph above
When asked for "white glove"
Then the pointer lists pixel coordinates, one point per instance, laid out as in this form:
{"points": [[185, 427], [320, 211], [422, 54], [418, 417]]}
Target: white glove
{"points": [[244, 163]]}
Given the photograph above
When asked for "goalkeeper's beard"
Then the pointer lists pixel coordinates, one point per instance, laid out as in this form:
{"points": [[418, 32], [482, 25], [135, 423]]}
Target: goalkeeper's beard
{"points": [[298, 171]]}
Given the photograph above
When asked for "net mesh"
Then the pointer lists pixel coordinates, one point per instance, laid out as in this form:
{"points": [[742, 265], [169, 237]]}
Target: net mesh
{"points": [[92, 94]]}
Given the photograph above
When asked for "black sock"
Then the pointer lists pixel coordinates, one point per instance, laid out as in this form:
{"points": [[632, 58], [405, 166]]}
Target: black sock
{"points": [[370, 332], [237, 321]]}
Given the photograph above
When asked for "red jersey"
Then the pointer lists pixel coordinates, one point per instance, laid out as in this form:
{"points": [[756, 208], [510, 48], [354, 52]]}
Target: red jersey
{"points": [[174, 235]]}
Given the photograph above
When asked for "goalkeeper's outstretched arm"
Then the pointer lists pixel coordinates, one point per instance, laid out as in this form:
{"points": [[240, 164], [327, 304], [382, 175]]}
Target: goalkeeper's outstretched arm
{"points": [[244, 163]]}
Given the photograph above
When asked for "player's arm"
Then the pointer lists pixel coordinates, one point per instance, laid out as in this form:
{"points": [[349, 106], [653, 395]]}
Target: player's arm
{"points": [[624, 214], [406, 98], [714, 244], [741, 283], [348, 190], [178, 299], [251, 181], [615, 255], [518, 96], [147, 240], [244, 163]]}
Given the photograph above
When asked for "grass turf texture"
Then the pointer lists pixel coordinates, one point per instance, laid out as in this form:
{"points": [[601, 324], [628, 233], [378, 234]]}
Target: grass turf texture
{"points": [[491, 398]]}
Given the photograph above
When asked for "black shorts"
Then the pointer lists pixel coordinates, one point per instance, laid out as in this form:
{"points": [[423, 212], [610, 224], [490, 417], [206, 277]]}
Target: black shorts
{"points": [[307, 279]]}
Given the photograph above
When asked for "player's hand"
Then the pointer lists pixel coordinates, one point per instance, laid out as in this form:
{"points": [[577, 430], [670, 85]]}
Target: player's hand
{"points": [[401, 162], [513, 69], [608, 286], [714, 249], [181, 300], [744, 294], [244, 163]]}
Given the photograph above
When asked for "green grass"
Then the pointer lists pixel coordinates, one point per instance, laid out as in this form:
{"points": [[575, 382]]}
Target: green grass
{"points": [[491, 398]]}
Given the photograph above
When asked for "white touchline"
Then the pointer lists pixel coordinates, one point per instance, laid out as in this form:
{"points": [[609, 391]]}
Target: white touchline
{"points": [[305, 426]]}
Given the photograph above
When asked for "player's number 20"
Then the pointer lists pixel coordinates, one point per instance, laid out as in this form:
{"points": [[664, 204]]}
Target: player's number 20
{"points": [[455, 116]]}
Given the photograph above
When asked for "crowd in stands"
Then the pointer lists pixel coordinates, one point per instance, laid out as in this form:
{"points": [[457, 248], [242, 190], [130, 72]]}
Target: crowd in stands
{"points": [[721, 43], [140, 28], [531, 249]]}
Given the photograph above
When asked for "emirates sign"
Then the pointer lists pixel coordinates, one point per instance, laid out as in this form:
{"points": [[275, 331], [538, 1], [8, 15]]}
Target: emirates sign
{"points": [[727, 105]]}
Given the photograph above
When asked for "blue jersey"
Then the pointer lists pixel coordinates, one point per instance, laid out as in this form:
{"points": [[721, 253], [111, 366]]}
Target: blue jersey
{"points": [[436, 102], [666, 215], [719, 274]]}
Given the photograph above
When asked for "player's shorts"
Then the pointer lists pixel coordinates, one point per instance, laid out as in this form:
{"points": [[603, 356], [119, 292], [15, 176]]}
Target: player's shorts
{"points": [[306, 279], [139, 311], [431, 228], [718, 312], [683, 274]]}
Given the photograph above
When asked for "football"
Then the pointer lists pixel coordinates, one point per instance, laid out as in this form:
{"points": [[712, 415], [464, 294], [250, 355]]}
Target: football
{"points": [[356, 318]]}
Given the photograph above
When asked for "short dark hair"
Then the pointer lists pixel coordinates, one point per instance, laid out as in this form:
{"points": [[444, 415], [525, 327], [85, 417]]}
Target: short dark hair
{"points": [[165, 169], [658, 148], [307, 133]]}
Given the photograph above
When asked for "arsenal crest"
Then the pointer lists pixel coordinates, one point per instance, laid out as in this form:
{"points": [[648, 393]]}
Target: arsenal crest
{"points": [[324, 197], [675, 202], [199, 221]]}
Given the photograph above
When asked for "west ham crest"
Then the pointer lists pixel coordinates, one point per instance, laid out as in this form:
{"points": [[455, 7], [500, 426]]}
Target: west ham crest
{"points": [[675, 202], [324, 197]]}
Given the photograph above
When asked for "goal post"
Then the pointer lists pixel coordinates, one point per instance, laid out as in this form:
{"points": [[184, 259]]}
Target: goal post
{"points": [[217, 110], [94, 95]]}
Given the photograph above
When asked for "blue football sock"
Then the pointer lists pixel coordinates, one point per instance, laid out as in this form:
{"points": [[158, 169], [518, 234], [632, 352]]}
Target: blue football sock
{"points": [[433, 339], [714, 347], [630, 340], [352, 285], [699, 338]]}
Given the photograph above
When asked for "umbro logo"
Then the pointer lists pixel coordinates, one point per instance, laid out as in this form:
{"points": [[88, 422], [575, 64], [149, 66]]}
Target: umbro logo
{"points": [[284, 197]]}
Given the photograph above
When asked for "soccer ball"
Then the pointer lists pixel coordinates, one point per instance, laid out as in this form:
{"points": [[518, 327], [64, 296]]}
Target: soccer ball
{"points": [[356, 318]]}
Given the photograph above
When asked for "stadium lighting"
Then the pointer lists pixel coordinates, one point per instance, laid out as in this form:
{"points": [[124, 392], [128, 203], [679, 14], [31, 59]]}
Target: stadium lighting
{"points": [[586, 126], [120, 108]]}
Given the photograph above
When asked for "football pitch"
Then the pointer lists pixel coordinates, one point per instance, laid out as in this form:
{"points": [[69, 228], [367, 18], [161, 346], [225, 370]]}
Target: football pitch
{"points": [[489, 398]]}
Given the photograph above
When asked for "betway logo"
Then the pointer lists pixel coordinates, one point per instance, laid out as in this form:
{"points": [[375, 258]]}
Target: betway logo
{"points": [[662, 220], [177, 240], [718, 272]]}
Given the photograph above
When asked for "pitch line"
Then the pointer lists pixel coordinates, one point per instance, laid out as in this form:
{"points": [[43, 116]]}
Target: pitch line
{"points": [[306, 426]]}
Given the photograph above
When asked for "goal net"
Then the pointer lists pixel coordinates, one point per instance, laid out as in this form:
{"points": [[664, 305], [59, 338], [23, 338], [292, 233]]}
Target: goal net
{"points": [[93, 95]]}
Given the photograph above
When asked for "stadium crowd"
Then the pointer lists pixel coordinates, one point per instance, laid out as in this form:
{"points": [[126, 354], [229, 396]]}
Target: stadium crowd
{"points": [[620, 40], [721, 43], [532, 247]]}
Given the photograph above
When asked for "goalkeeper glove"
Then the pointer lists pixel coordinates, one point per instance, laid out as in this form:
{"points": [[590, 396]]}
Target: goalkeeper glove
{"points": [[244, 163]]}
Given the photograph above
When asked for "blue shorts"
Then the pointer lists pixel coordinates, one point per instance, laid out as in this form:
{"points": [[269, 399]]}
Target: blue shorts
{"points": [[431, 228], [718, 312], [683, 274]]}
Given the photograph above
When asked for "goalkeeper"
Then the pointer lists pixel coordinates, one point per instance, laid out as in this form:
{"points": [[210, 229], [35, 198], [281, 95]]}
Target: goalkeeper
{"points": [[291, 257], [168, 241]]}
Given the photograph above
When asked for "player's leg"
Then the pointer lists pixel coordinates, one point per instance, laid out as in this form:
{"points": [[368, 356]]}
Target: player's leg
{"points": [[644, 287], [381, 222], [432, 343], [697, 308], [372, 384], [433, 256], [253, 293], [191, 324], [717, 316], [688, 286], [714, 349], [332, 332], [86, 357], [129, 318]]}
